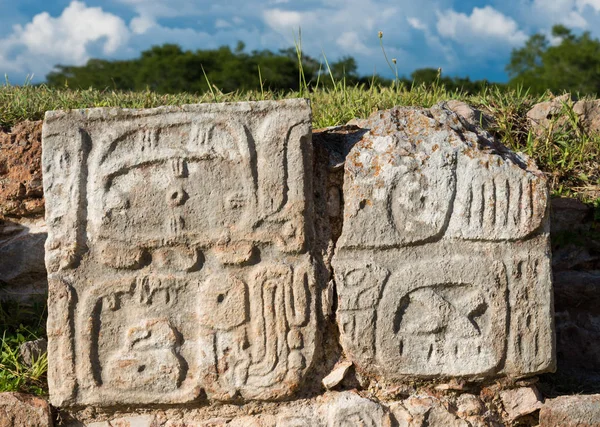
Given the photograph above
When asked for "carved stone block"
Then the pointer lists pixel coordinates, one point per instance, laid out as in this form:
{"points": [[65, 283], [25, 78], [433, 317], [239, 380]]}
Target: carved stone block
{"points": [[178, 253], [443, 264]]}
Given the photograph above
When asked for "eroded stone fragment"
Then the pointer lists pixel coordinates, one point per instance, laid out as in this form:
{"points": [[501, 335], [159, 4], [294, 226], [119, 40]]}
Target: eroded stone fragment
{"points": [[443, 264], [18, 409], [337, 375], [571, 411], [521, 401], [178, 253]]}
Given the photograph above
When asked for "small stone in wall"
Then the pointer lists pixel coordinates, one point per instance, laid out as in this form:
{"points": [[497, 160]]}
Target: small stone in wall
{"points": [[31, 351], [23, 410], [21, 193], [522, 401], [337, 375], [571, 411]]}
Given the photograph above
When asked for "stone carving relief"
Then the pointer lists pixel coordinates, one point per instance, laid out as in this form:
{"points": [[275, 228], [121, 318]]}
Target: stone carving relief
{"points": [[442, 228], [183, 234], [184, 265]]}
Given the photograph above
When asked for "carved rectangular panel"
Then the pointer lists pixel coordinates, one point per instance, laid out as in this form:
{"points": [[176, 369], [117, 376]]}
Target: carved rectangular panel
{"points": [[178, 252], [443, 265]]}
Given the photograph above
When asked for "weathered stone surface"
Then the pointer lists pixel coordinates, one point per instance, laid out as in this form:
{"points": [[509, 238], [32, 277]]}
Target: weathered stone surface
{"points": [[337, 375], [552, 115], [443, 264], [544, 115], [18, 410], [178, 253], [571, 411], [135, 421], [22, 270], [349, 409], [521, 401], [330, 410], [31, 351], [20, 171], [471, 115]]}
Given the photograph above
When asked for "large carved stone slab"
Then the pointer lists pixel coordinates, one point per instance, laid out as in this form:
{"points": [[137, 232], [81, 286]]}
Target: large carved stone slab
{"points": [[177, 253], [443, 265]]}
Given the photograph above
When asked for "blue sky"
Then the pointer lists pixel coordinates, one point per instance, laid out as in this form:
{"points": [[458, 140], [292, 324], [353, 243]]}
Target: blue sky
{"points": [[463, 37]]}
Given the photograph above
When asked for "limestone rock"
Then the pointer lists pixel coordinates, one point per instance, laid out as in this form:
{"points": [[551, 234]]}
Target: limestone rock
{"points": [[22, 270], [337, 375], [178, 253], [135, 421], [350, 409], [471, 115], [31, 351], [552, 115], [469, 405], [519, 402], [571, 411], [20, 171], [543, 114], [422, 411], [443, 264], [589, 114], [333, 409], [18, 409]]}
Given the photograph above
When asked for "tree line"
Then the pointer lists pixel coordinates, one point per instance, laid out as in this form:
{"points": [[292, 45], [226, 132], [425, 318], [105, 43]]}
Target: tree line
{"points": [[566, 62]]}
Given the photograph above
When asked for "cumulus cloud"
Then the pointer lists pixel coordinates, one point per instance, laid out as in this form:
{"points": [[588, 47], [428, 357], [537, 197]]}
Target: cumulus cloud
{"points": [[283, 20], [577, 14], [429, 33], [68, 39], [141, 24], [351, 43], [416, 24], [483, 23], [595, 4], [221, 23]]}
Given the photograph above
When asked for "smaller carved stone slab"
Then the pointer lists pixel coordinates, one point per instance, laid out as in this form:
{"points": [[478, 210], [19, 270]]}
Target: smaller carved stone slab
{"points": [[178, 254], [443, 264]]}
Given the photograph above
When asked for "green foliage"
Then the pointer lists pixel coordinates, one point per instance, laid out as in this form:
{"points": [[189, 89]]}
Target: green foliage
{"points": [[169, 69], [20, 323], [567, 155], [573, 65], [430, 77], [14, 374]]}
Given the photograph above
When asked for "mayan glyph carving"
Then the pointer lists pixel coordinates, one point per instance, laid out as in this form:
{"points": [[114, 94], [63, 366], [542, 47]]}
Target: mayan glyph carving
{"points": [[443, 265], [178, 253]]}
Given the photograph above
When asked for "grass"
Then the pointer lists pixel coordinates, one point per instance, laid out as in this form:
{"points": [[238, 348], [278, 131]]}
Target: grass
{"points": [[568, 155], [18, 324]]}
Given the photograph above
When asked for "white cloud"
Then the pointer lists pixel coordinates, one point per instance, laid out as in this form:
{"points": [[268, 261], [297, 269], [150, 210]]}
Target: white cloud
{"points": [[575, 20], [416, 24], [577, 14], [483, 23], [351, 43], [595, 4], [141, 24], [37, 46], [414, 32], [221, 23], [283, 20]]}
